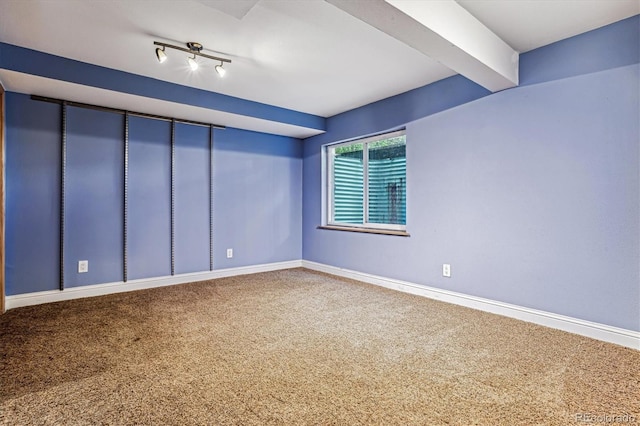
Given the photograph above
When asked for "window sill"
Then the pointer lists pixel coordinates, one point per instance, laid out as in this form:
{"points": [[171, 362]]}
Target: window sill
{"points": [[365, 230]]}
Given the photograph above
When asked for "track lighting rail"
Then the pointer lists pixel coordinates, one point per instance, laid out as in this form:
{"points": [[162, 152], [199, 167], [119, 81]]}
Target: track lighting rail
{"points": [[192, 51]]}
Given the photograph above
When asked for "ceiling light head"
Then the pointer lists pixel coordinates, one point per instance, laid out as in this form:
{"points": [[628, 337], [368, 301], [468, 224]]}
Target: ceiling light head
{"points": [[220, 70], [192, 63], [161, 55]]}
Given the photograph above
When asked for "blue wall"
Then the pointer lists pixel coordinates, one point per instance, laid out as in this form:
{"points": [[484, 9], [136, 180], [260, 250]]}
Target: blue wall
{"points": [[257, 197], [191, 207], [32, 173], [531, 194], [94, 193], [149, 195]]}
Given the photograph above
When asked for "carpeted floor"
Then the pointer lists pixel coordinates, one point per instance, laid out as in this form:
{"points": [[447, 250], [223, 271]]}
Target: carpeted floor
{"points": [[299, 347]]}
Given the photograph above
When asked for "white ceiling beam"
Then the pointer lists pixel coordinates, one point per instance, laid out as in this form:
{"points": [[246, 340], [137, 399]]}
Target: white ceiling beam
{"points": [[444, 31]]}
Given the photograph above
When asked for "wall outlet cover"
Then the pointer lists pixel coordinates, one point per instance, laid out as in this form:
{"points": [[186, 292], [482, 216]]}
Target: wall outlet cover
{"points": [[446, 270], [83, 266]]}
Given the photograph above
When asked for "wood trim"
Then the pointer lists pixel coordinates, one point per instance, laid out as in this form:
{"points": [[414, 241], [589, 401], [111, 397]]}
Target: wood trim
{"points": [[365, 230], [2, 202]]}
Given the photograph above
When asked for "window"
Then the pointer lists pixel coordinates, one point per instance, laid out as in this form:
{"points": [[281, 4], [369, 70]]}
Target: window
{"points": [[366, 182]]}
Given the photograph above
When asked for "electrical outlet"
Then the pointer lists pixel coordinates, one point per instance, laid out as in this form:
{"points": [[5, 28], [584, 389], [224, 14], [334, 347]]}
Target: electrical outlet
{"points": [[446, 270], [229, 253], [83, 266]]}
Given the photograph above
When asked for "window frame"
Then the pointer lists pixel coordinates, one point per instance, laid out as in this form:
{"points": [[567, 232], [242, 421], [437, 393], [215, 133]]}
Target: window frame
{"points": [[328, 168]]}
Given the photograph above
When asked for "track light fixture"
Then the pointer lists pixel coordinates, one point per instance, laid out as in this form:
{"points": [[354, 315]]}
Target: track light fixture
{"points": [[194, 49], [161, 55], [221, 71]]}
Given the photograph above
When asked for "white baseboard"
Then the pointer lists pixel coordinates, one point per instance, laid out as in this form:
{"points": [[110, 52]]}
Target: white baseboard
{"points": [[37, 298], [619, 336]]}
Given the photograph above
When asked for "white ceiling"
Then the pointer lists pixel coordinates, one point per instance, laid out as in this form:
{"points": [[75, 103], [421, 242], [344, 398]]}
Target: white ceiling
{"points": [[528, 24], [304, 55]]}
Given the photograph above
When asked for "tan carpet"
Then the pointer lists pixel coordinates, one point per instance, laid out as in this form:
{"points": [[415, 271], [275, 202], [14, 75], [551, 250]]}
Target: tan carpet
{"points": [[299, 347]]}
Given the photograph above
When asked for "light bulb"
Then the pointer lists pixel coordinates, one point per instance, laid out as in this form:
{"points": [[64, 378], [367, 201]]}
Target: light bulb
{"points": [[192, 63], [221, 71]]}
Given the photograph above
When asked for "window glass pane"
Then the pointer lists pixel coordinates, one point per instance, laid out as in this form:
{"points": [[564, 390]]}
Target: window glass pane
{"points": [[387, 181], [348, 184]]}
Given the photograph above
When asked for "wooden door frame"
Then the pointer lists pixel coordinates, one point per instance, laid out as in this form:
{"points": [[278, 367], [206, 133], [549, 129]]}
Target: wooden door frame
{"points": [[2, 200]]}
